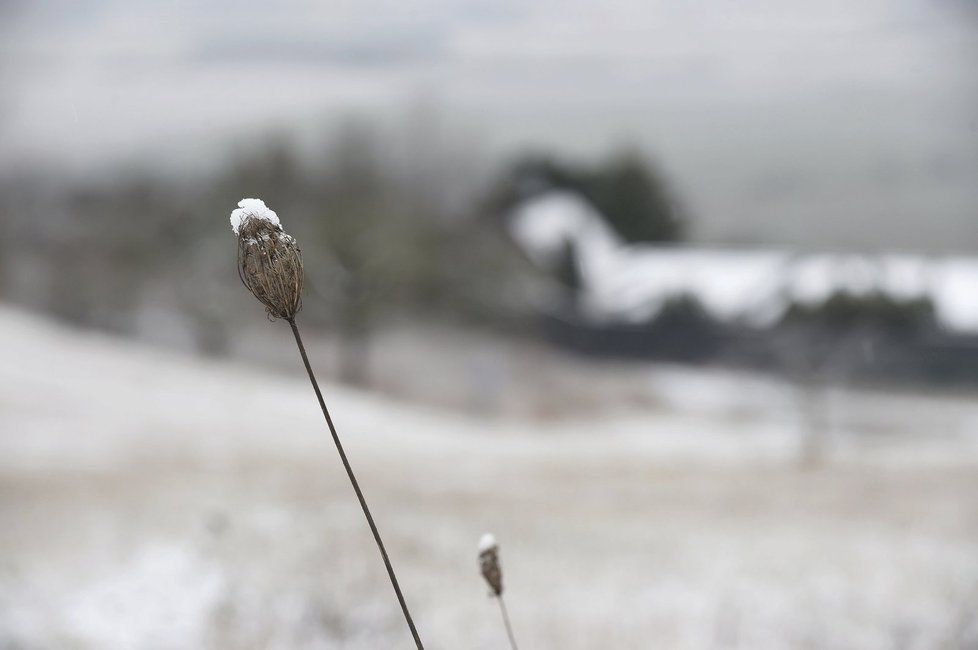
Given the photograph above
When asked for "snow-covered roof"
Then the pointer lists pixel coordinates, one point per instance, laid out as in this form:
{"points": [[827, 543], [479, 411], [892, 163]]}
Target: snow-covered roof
{"points": [[630, 283]]}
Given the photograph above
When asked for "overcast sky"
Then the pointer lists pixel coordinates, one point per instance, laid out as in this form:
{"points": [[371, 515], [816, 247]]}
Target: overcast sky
{"points": [[850, 122]]}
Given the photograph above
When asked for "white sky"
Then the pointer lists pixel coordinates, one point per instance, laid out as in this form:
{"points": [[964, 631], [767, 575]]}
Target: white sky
{"points": [[860, 116]]}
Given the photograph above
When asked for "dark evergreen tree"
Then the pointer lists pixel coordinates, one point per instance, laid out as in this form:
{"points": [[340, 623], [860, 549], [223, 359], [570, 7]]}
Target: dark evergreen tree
{"points": [[635, 200]]}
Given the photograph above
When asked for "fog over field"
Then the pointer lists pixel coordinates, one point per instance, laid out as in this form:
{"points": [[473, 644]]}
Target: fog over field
{"points": [[845, 123]]}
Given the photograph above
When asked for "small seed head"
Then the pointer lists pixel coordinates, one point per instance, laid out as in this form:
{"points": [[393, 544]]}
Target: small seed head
{"points": [[489, 563], [269, 263]]}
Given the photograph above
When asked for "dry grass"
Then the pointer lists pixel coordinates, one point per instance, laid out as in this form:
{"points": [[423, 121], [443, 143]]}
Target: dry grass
{"points": [[166, 505], [628, 551]]}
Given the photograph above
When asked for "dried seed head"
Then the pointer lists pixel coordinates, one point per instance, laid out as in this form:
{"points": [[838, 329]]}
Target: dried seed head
{"points": [[269, 261], [489, 563]]}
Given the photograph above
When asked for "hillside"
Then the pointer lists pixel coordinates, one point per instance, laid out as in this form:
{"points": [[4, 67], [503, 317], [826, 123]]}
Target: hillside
{"points": [[154, 501]]}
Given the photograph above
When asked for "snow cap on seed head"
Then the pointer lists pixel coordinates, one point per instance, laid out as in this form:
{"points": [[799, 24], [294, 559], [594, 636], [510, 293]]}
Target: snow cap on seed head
{"points": [[489, 563], [269, 261], [487, 542], [252, 209]]}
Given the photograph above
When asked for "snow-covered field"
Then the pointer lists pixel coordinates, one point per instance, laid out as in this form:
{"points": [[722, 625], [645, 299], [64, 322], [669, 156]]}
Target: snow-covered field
{"points": [[151, 501]]}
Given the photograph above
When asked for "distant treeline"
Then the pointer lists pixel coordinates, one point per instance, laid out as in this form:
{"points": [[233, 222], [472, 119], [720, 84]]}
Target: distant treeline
{"points": [[389, 225]]}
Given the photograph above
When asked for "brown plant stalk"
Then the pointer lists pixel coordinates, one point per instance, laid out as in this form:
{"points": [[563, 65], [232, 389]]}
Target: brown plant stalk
{"points": [[270, 266]]}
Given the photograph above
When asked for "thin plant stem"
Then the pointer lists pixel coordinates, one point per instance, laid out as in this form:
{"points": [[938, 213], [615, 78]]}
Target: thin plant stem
{"points": [[356, 487], [509, 628]]}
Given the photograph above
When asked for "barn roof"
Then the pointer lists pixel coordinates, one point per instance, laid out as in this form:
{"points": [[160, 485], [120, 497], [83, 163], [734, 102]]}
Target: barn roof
{"points": [[631, 283]]}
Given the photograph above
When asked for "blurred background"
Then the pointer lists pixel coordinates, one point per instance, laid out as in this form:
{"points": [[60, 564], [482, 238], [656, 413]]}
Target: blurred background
{"points": [[678, 299]]}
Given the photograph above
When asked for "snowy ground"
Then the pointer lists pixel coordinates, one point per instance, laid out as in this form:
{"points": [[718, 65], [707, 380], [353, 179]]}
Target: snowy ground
{"points": [[158, 502]]}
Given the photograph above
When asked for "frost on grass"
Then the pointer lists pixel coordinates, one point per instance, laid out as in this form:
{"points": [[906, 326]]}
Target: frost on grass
{"points": [[252, 209]]}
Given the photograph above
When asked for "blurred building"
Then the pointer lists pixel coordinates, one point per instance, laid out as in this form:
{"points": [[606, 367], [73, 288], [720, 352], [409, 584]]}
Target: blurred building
{"points": [[907, 315]]}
